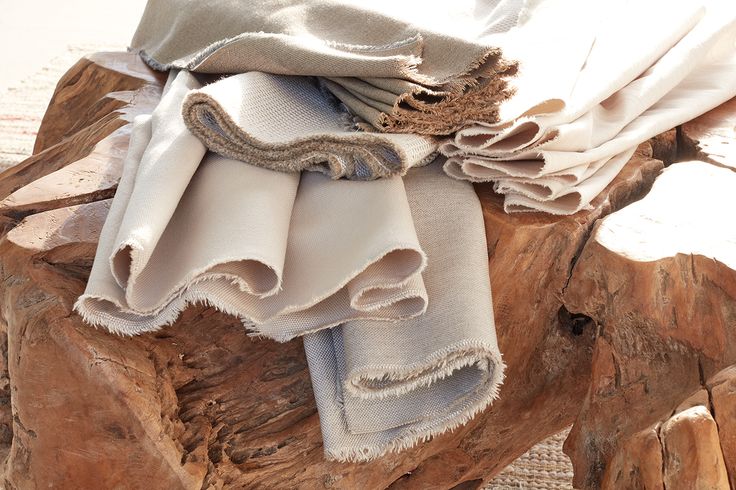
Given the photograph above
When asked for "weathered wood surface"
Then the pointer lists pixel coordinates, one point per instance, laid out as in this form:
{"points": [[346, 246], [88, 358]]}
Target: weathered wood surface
{"points": [[83, 139], [659, 279], [694, 447], [711, 137], [200, 404]]}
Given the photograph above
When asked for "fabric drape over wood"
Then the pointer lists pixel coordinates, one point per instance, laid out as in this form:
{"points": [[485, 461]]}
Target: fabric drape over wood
{"points": [[341, 262], [559, 143]]}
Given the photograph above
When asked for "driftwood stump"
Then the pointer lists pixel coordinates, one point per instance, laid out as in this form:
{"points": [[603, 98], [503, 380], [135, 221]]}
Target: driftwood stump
{"points": [[199, 404], [659, 279]]}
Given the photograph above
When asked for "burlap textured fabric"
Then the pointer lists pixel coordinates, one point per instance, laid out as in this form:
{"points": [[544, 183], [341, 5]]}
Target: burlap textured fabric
{"points": [[401, 66], [286, 254], [384, 387], [288, 123], [563, 149]]}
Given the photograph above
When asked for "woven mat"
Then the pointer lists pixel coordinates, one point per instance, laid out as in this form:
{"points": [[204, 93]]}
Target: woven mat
{"points": [[544, 466], [21, 108]]}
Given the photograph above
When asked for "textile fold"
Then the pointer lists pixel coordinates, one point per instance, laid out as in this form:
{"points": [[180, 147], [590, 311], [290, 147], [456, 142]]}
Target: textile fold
{"points": [[269, 247], [558, 146], [347, 264], [250, 117]]}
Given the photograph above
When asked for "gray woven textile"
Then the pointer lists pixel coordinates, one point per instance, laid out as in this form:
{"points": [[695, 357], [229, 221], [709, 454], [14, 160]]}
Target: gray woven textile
{"points": [[401, 66], [383, 387], [251, 117]]}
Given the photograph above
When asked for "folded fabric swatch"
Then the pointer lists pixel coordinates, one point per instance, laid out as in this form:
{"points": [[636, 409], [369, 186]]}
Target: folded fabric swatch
{"points": [[401, 66], [558, 162], [288, 123], [384, 387], [286, 254]]}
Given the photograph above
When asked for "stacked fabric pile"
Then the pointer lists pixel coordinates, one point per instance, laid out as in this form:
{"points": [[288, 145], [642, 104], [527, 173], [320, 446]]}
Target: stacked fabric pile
{"points": [[401, 66], [303, 193], [348, 264], [610, 76]]}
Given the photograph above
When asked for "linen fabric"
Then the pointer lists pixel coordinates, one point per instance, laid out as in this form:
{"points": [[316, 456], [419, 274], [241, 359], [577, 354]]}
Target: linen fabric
{"points": [[561, 151], [383, 387], [340, 262], [286, 254], [401, 66], [288, 123]]}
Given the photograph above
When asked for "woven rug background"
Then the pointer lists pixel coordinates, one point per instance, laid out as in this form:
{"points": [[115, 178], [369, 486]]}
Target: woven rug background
{"points": [[22, 106], [543, 467]]}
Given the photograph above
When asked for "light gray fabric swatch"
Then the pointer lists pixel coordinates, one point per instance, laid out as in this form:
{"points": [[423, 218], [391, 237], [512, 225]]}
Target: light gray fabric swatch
{"points": [[384, 387]]}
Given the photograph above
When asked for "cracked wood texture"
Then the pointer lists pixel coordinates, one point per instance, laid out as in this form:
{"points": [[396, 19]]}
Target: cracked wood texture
{"points": [[659, 279], [694, 447], [200, 404]]}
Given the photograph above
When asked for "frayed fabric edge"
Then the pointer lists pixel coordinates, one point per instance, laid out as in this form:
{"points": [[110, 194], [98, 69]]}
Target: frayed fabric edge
{"points": [[441, 364], [413, 436]]}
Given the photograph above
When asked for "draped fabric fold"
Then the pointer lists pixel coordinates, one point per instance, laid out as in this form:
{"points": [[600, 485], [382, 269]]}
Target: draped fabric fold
{"points": [[294, 256], [417, 69], [557, 148], [382, 386], [341, 262], [250, 117]]}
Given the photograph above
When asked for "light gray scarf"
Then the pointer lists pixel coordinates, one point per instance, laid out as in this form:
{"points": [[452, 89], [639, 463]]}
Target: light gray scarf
{"points": [[383, 387]]}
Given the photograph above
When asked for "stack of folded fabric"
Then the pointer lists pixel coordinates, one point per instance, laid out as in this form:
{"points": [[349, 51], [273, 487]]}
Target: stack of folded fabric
{"points": [[403, 66], [299, 254], [609, 77], [303, 193]]}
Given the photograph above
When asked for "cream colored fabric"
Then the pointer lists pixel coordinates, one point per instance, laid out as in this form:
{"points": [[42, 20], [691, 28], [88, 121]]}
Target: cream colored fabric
{"points": [[621, 95], [384, 387], [286, 254], [287, 123], [401, 66]]}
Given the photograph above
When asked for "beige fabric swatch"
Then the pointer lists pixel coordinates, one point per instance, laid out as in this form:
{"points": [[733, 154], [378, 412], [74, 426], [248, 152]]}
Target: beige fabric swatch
{"points": [[431, 59], [288, 123], [286, 254], [384, 387], [166, 167], [544, 162]]}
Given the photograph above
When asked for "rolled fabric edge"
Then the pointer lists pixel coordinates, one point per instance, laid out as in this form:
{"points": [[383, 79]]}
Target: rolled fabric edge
{"points": [[381, 381]]}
